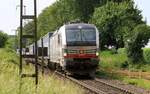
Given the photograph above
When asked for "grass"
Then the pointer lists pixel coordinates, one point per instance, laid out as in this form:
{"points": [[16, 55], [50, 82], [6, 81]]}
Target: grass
{"points": [[111, 63], [48, 84], [138, 82]]}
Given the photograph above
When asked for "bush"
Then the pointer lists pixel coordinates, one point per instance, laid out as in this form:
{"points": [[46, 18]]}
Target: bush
{"points": [[125, 65], [122, 51], [112, 61], [3, 39], [113, 50], [146, 54], [139, 38]]}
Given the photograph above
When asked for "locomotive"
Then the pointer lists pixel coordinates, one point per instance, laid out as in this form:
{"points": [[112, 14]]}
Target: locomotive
{"points": [[73, 48]]}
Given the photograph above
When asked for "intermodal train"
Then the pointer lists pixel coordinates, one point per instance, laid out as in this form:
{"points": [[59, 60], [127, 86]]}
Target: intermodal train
{"points": [[73, 48]]}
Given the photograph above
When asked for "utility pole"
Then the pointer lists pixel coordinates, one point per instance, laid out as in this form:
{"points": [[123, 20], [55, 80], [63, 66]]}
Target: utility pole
{"points": [[24, 16]]}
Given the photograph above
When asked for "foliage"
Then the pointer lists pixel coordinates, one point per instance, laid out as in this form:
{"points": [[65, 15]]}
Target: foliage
{"points": [[61, 12], [122, 51], [48, 84], [146, 54], [28, 28], [12, 42], [120, 22], [115, 21], [84, 8], [138, 82], [119, 61], [54, 16], [3, 39], [139, 38], [111, 61]]}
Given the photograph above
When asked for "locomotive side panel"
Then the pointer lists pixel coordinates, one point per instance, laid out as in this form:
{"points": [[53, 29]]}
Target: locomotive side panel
{"points": [[53, 48], [57, 44]]}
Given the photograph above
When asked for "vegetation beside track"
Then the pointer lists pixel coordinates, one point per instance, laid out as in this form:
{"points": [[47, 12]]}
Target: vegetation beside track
{"points": [[48, 84], [113, 64], [138, 82]]}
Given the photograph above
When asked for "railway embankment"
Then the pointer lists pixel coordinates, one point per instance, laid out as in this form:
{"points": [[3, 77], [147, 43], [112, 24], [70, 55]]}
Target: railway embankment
{"points": [[48, 84]]}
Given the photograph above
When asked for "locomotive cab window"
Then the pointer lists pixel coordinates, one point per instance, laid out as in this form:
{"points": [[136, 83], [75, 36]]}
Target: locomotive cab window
{"points": [[84, 36]]}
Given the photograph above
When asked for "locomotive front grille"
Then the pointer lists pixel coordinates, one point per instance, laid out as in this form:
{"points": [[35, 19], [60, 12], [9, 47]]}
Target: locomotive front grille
{"points": [[72, 51], [91, 51]]}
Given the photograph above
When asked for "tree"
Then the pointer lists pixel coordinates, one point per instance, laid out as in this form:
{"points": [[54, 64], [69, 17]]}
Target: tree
{"points": [[11, 43], [84, 8], [3, 39], [64, 11], [115, 22], [138, 39], [55, 16]]}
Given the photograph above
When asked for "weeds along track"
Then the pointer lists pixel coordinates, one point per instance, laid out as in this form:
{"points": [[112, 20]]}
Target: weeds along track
{"points": [[92, 86]]}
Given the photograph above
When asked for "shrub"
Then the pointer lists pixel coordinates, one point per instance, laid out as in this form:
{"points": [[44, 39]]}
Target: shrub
{"points": [[3, 39], [125, 64], [112, 61], [138, 39], [113, 50], [146, 54], [122, 51]]}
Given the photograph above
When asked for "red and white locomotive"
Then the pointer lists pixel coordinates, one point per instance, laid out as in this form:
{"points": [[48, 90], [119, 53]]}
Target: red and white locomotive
{"points": [[74, 49]]}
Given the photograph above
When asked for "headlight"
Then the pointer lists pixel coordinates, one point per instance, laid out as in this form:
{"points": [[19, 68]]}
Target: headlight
{"points": [[65, 54], [97, 53], [65, 51]]}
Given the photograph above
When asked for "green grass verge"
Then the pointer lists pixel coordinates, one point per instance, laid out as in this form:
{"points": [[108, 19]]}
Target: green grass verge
{"points": [[9, 79], [114, 62], [117, 61], [138, 82]]}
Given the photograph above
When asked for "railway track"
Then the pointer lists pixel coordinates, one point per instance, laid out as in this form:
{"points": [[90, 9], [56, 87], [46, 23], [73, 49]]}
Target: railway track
{"points": [[106, 87], [93, 86], [90, 89], [113, 89], [96, 86]]}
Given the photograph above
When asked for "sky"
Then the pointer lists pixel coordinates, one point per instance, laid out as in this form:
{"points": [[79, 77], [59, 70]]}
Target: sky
{"points": [[10, 17], [10, 13]]}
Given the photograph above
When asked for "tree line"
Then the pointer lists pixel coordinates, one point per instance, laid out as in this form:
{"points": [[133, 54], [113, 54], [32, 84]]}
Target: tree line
{"points": [[119, 22], [8, 41], [3, 39]]}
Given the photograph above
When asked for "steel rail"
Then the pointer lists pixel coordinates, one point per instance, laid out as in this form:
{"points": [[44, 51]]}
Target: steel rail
{"points": [[124, 91]]}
